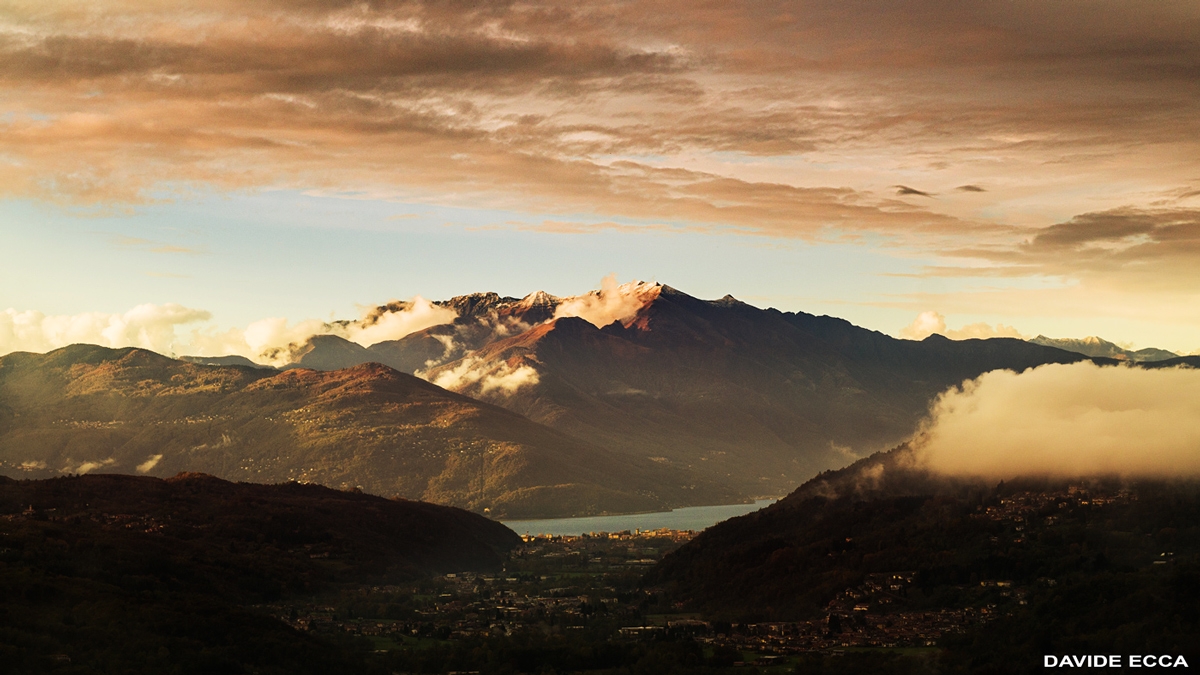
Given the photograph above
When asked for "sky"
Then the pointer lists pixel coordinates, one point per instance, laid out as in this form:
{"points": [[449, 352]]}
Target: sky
{"points": [[987, 168]]}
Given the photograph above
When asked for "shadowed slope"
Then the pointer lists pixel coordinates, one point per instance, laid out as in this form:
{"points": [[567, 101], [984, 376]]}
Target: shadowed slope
{"points": [[757, 399], [87, 408], [1094, 559], [137, 574], [328, 533]]}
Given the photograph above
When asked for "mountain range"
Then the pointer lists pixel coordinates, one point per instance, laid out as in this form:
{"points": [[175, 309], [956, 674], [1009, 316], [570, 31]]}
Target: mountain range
{"points": [[91, 409], [756, 399], [1094, 346], [633, 398]]}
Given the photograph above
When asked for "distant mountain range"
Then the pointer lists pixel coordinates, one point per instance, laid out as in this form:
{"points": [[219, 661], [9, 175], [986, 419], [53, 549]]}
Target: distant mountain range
{"points": [[1094, 346], [755, 399], [638, 398]]}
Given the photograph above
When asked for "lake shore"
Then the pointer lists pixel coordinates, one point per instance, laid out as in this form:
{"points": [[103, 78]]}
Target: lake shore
{"points": [[688, 518]]}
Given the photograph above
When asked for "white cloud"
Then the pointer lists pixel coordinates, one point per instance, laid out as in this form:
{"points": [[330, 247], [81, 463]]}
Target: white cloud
{"points": [[611, 303], [149, 464], [448, 348], [504, 326], [269, 340], [375, 326], [153, 327], [146, 326], [264, 341], [926, 324], [90, 466], [1067, 420], [931, 322], [476, 374]]}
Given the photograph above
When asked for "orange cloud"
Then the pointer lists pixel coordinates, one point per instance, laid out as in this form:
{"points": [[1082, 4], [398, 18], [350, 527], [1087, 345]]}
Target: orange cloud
{"points": [[786, 119]]}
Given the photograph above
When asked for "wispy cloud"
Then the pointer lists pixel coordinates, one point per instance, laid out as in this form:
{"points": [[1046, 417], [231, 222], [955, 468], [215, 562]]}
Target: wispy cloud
{"points": [[1148, 250], [583, 227], [905, 191], [932, 323], [174, 329], [612, 302], [149, 246], [807, 119]]}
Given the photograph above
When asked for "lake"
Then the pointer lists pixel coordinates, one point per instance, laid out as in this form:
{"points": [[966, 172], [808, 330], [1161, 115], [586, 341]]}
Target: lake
{"points": [[690, 518]]}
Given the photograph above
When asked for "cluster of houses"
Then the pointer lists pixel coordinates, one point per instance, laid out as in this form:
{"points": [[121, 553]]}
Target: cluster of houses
{"points": [[552, 582]]}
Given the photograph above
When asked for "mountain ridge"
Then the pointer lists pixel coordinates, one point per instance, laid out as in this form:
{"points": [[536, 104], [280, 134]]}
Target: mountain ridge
{"points": [[88, 408], [761, 398], [888, 514], [632, 398], [1095, 346]]}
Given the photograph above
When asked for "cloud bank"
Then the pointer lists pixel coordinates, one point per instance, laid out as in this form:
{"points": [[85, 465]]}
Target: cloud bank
{"points": [[162, 328], [1067, 420], [146, 326], [930, 323]]}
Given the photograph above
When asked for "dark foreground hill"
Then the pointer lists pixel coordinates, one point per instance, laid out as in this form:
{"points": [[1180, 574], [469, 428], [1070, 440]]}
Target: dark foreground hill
{"points": [[1039, 566], [85, 408], [114, 574]]}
